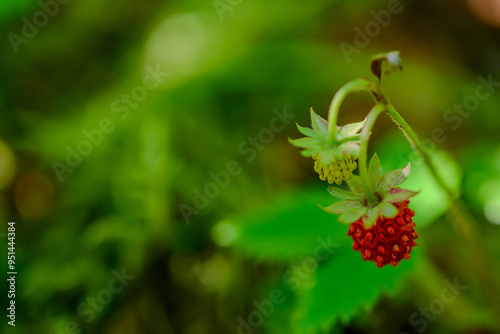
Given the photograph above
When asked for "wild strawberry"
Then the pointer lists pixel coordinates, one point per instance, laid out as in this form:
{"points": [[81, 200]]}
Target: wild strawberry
{"points": [[384, 231], [336, 171], [389, 240], [332, 163]]}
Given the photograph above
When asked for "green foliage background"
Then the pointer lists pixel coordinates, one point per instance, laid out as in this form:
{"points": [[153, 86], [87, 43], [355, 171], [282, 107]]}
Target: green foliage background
{"points": [[228, 75]]}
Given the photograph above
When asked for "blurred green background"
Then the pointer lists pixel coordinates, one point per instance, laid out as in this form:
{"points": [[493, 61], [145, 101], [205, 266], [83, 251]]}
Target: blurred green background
{"points": [[144, 158]]}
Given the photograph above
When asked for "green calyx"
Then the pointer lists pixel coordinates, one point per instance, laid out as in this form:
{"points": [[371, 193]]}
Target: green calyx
{"points": [[332, 163], [355, 205]]}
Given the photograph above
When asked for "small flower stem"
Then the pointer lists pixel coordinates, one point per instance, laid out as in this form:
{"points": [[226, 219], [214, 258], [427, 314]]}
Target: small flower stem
{"points": [[361, 84], [363, 154]]}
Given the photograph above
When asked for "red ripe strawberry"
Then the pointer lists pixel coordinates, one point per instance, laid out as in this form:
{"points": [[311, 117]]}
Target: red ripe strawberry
{"points": [[388, 240], [383, 230]]}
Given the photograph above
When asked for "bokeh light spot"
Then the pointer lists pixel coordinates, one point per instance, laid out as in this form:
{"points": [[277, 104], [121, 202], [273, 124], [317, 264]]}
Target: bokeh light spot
{"points": [[34, 195], [492, 210], [214, 271], [487, 11], [179, 44], [7, 165], [224, 233]]}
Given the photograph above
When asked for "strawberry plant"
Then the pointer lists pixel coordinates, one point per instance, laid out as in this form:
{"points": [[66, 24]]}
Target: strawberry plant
{"points": [[372, 215]]}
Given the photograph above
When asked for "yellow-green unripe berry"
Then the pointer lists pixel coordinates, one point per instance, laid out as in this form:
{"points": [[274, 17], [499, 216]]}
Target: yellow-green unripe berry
{"points": [[335, 171]]}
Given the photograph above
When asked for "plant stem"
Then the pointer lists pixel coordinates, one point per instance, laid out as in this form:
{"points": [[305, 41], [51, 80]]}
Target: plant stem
{"points": [[418, 147], [464, 223], [463, 220], [352, 86], [363, 153]]}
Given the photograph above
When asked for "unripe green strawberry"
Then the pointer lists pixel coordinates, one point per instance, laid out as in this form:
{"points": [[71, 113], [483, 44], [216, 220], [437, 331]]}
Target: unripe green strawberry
{"points": [[335, 171], [333, 163]]}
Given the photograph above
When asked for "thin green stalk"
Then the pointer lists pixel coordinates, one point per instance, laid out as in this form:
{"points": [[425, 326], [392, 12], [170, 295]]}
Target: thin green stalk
{"points": [[418, 147], [465, 224], [363, 153], [352, 86], [462, 219]]}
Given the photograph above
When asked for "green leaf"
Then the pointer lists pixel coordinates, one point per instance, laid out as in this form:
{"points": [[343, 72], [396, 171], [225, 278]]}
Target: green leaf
{"points": [[374, 170], [328, 155], [371, 217], [279, 322], [351, 129], [350, 148], [387, 210], [288, 228], [344, 286], [392, 179], [352, 215], [342, 206], [307, 131], [356, 184], [431, 202], [319, 124], [309, 152], [344, 194], [396, 195], [354, 138], [306, 142]]}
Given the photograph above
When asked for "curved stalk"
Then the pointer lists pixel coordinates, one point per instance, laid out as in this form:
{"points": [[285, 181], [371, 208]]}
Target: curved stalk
{"points": [[464, 223], [363, 153], [361, 84]]}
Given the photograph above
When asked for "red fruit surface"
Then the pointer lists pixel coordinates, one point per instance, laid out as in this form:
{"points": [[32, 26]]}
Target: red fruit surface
{"points": [[389, 240]]}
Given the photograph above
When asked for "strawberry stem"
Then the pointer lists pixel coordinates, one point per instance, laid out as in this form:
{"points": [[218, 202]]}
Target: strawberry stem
{"points": [[465, 224], [361, 84], [372, 198], [463, 220]]}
